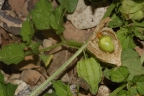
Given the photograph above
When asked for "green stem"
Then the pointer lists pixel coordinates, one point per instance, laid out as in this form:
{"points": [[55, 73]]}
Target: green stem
{"points": [[69, 43], [51, 47], [114, 93], [73, 43], [109, 10], [43, 85]]}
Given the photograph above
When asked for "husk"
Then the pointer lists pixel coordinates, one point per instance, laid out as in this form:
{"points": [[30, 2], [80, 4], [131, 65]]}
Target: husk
{"points": [[93, 47]]}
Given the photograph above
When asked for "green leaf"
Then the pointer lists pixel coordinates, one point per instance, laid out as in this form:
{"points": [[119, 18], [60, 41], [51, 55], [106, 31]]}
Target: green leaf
{"points": [[41, 14], [131, 60], [69, 4], [61, 88], [142, 59], [13, 53], [139, 32], [119, 74], [133, 91], [138, 81], [45, 17], [140, 87], [125, 35], [35, 47], [138, 78], [27, 30], [138, 28], [123, 93], [6, 89], [46, 59], [132, 9], [56, 21], [90, 70], [115, 21], [106, 73]]}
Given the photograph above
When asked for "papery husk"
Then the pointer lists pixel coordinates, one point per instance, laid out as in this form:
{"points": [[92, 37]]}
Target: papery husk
{"points": [[93, 47]]}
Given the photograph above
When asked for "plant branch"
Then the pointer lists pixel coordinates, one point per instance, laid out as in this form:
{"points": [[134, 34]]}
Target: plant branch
{"points": [[43, 85], [69, 43], [109, 10]]}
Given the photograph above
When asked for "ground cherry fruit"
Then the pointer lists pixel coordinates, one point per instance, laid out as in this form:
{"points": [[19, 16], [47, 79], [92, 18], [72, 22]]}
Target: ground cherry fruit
{"points": [[106, 43]]}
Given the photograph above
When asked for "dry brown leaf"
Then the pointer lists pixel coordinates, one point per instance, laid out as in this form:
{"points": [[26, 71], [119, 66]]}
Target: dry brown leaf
{"points": [[93, 47]]}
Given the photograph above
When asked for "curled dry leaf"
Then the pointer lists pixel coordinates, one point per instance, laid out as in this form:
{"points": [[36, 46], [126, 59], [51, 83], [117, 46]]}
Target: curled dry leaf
{"points": [[93, 46]]}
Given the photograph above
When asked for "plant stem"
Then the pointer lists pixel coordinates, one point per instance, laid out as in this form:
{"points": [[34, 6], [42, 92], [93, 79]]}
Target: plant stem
{"points": [[73, 43], [69, 43], [51, 47], [43, 85], [109, 10], [114, 93]]}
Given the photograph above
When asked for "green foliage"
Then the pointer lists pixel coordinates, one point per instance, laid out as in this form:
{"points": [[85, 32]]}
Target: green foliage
{"points": [[140, 87], [6, 89], [106, 73], [138, 28], [69, 4], [45, 17], [131, 60], [56, 19], [61, 88], [138, 78], [35, 47], [119, 74], [132, 9], [12, 53], [115, 21], [125, 35], [133, 91], [46, 59], [123, 14], [142, 59], [122, 93], [90, 70], [138, 82], [27, 30], [41, 14]]}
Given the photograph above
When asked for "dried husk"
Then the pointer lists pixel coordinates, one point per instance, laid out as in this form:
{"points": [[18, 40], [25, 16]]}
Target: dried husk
{"points": [[93, 47]]}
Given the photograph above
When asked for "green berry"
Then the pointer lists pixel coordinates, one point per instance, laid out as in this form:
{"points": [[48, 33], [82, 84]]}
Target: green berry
{"points": [[106, 44]]}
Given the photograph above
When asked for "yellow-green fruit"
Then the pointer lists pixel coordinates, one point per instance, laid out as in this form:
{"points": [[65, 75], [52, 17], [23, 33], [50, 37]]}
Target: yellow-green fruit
{"points": [[106, 44]]}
